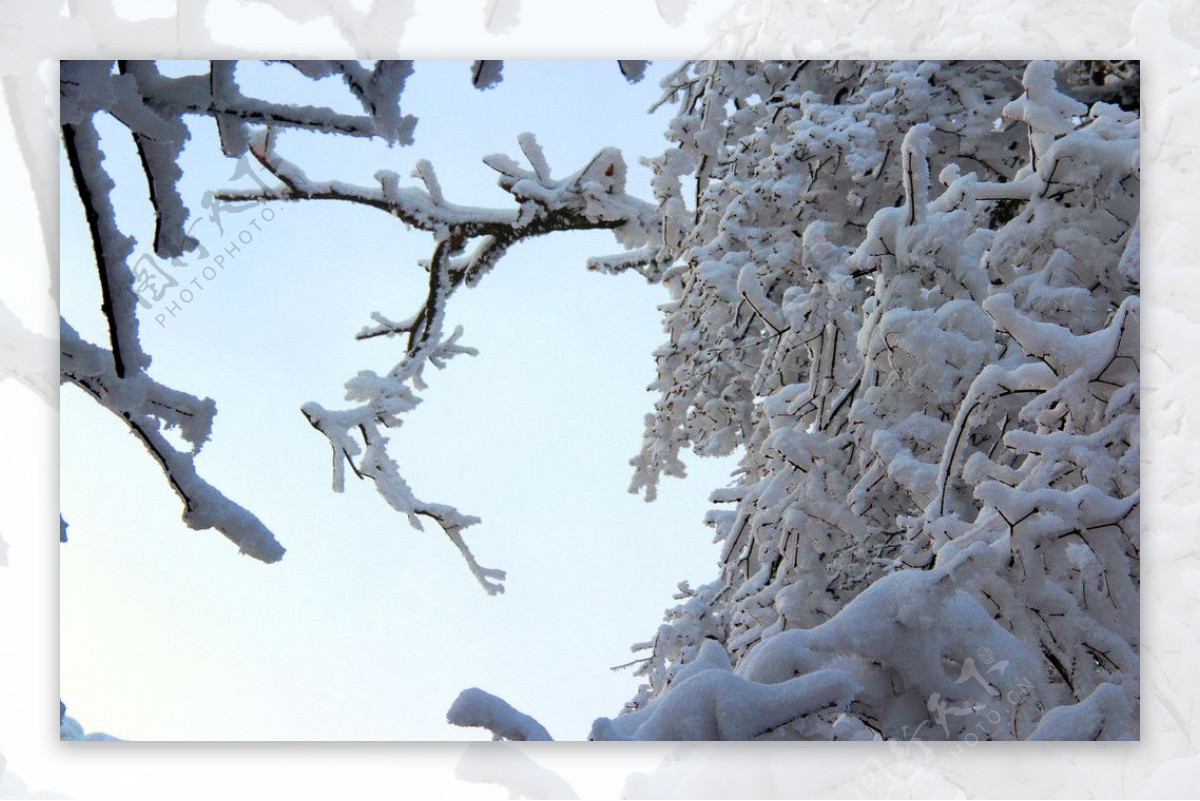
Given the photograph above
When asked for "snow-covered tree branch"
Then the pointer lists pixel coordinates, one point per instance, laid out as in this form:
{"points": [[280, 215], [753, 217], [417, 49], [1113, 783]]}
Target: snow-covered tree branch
{"points": [[468, 242]]}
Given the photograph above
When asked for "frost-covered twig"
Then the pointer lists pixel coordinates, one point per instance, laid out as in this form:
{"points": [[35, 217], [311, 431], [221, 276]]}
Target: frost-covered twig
{"points": [[591, 198]]}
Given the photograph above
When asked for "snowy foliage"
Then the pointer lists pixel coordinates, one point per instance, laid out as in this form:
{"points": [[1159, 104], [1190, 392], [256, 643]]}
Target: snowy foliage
{"points": [[909, 293]]}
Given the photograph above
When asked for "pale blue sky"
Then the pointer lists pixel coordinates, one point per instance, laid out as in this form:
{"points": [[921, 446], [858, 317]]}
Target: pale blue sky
{"points": [[368, 629]]}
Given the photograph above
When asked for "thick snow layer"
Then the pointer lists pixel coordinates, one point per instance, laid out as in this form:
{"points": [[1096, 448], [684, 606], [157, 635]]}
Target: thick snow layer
{"points": [[718, 704]]}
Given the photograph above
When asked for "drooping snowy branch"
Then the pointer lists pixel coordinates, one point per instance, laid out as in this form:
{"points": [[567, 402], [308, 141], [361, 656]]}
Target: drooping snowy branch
{"points": [[147, 407], [593, 197]]}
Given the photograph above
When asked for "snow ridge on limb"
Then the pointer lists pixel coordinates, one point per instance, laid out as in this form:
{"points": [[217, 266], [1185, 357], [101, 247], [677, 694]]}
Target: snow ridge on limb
{"points": [[719, 705], [592, 197]]}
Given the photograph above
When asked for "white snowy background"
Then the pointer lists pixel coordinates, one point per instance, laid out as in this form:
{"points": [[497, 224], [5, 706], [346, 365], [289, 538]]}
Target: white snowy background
{"points": [[1164, 34]]}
